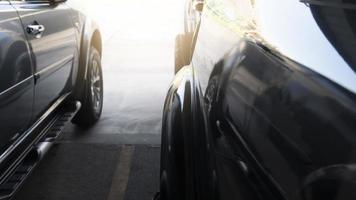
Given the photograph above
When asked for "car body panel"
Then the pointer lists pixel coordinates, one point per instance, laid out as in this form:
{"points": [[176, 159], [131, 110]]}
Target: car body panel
{"points": [[240, 19], [278, 80], [178, 113], [16, 78], [40, 76], [90, 37], [53, 53]]}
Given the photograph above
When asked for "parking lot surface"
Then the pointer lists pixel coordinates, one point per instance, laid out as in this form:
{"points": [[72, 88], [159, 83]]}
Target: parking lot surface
{"points": [[118, 158]]}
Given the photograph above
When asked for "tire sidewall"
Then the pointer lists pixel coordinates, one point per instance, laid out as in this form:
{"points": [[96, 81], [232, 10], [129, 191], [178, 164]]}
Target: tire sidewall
{"points": [[94, 56]]}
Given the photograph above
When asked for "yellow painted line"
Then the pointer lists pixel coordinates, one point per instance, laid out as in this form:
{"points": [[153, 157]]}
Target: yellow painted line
{"points": [[122, 174]]}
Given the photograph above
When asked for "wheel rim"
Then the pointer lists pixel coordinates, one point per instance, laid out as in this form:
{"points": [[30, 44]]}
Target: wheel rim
{"points": [[96, 86]]}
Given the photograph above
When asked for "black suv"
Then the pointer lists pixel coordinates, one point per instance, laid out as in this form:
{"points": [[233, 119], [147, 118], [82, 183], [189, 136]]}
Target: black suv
{"points": [[50, 73], [266, 107]]}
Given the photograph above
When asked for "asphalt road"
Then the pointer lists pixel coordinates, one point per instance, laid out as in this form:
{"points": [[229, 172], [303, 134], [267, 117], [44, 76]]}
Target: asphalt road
{"points": [[138, 58], [118, 158]]}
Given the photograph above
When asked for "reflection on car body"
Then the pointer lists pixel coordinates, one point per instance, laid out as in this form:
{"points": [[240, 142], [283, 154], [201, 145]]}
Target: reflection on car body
{"points": [[44, 57], [266, 109]]}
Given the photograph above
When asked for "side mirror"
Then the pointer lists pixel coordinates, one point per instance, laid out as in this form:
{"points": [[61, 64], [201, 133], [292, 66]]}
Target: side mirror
{"points": [[198, 5]]}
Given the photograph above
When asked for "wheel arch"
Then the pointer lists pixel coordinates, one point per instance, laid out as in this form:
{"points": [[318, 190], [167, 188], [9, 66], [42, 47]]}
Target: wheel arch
{"points": [[177, 131], [90, 37], [179, 103]]}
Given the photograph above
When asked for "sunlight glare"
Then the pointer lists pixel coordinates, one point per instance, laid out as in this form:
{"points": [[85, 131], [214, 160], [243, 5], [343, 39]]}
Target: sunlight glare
{"points": [[141, 19]]}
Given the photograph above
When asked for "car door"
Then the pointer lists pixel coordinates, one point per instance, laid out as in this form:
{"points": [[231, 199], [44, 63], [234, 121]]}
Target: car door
{"points": [[51, 35], [287, 116], [16, 79]]}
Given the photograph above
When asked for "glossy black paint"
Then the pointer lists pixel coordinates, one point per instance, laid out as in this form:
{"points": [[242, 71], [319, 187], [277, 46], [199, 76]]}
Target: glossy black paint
{"points": [[274, 110], [38, 73], [16, 80], [53, 52]]}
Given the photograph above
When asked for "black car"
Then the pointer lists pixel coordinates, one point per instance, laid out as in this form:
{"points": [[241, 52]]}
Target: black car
{"points": [[50, 73], [266, 107]]}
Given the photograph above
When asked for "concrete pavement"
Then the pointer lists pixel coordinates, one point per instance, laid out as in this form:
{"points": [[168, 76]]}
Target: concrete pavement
{"points": [[118, 158], [138, 55]]}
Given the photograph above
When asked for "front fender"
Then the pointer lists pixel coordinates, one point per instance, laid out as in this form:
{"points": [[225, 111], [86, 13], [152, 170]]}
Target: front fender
{"points": [[88, 30], [177, 113], [177, 132]]}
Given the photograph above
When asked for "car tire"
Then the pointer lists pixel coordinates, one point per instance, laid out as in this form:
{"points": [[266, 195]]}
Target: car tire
{"points": [[92, 97], [183, 45]]}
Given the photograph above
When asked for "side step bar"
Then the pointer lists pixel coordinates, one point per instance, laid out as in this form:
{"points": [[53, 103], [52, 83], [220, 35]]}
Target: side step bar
{"points": [[38, 152], [70, 110]]}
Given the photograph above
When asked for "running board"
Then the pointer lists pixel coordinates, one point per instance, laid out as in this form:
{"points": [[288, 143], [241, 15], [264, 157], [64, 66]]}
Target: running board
{"points": [[69, 111], [38, 152]]}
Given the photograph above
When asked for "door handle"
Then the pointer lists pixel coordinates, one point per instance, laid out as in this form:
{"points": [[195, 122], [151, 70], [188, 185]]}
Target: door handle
{"points": [[35, 29]]}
